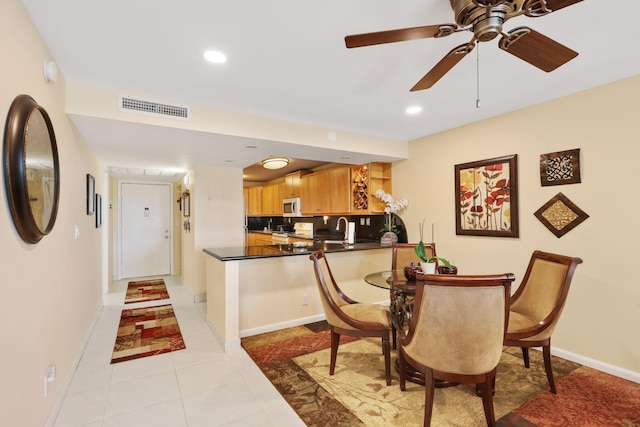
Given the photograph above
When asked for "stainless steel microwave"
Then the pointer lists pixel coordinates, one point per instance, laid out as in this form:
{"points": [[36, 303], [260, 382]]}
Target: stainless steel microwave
{"points": [[291, 207]]}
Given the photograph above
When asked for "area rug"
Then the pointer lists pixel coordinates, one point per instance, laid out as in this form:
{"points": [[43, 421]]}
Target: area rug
{"points": [[296, 361], [146, 332], [146, 290]]}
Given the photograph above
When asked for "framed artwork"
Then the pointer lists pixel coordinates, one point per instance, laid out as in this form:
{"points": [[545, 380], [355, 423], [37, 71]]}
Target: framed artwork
{"points": [[562, 167], [560, 215], [487, 197], [91, 195], [98, 211], [186, 206]]}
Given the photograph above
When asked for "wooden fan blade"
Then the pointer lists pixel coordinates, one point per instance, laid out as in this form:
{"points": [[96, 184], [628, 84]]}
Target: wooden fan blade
{"points": [[391, 36], [536, 49], [559, 4], [538, 8], [443, 67]]}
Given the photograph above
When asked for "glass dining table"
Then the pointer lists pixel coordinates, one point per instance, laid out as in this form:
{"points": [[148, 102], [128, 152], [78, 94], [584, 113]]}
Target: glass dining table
{"points": [[402, 293]]}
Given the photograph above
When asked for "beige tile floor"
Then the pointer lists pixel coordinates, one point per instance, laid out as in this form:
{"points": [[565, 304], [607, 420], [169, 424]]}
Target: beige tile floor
{"points": [[196, 387]]}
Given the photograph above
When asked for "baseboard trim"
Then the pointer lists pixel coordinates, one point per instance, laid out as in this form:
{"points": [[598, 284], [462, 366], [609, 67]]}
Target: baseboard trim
{"points": [[283, 325], [74, 367], [226, 345], [596, 364]]}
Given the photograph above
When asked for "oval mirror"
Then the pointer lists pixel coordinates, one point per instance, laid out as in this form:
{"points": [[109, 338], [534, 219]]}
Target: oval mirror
{"points": [[31, 169]]}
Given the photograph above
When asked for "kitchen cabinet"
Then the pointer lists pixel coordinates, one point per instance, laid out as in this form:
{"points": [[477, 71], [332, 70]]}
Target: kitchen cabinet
{"points": [[292, 183], [259, 239], [314, 194], [251, 239], [254, 206], [366, 180], [272, 199], [326, 192], [339, 190]]}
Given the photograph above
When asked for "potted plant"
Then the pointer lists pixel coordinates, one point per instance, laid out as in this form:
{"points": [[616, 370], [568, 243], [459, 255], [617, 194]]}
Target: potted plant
{"points": [[393, 207], [428, 264]]}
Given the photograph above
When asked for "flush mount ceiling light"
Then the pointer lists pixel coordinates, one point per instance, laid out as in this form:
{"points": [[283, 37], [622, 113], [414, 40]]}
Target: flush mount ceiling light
{"points": [[275, 163]]}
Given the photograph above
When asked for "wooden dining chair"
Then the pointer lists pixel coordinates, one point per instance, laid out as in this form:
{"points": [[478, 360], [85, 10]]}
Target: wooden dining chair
{"points": [[537, 304], [456, 334], [402, 255], [348, 317]]}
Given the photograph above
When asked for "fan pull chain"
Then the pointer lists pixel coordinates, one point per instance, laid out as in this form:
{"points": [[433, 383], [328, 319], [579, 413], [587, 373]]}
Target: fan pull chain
{"points": [[477, 75]]}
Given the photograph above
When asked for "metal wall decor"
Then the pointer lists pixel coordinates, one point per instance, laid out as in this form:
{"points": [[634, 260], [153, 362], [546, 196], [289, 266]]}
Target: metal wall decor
{"points": [[31, 169], [560, 215], [487, 197], [562, 167]]}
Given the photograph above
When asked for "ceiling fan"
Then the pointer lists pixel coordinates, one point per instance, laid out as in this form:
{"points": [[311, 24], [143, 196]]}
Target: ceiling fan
{"points": [[484, 18]]}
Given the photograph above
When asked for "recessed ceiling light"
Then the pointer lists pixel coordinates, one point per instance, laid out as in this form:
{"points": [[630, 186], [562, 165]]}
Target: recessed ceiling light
{"points": [[414, 109], [215, 57]]}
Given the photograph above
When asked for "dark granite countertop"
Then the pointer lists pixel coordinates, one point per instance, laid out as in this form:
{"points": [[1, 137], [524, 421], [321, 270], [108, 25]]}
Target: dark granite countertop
{"points": [[269, 251]]}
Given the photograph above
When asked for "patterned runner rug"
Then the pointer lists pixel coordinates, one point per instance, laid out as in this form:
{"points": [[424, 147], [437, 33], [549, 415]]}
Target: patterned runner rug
{"points": [[146, 332], [296, 361], [146, 290]]}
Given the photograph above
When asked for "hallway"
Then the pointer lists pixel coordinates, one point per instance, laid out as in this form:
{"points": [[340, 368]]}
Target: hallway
{"points": [[196, 387]]}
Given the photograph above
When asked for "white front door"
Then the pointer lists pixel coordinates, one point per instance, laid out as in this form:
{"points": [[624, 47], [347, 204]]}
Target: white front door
{"points": [[145, 229]]}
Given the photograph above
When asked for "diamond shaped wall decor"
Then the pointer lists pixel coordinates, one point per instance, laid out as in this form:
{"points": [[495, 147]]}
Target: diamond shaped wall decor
{"points": [[560, 215]]}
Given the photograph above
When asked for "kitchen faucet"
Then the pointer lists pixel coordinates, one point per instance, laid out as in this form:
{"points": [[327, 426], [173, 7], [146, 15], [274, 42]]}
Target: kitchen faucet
{"points": [[270, 224], [346, 227]]}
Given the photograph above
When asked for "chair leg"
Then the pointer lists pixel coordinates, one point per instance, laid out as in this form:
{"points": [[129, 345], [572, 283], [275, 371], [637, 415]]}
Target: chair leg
{"points": [[386, 349], [335, 341], [546, 352], [525, 356], [394, 334], [487, 397], [402, 368], [429, 390]]}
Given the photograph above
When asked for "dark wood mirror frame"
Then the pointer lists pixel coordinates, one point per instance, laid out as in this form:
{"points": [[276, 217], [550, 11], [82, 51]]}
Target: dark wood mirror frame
{"points": [[28, 133]]}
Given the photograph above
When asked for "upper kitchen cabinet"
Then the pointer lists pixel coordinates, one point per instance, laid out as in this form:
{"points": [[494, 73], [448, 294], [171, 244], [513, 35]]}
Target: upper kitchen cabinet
{"points": [[314, 193], [366, 180], [292, 184], [326, 192], [339, 191], [254, 197], [272, 199]]}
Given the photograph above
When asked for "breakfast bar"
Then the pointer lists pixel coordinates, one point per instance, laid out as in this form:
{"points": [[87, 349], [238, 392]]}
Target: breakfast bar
{"points": [[257, 289]]}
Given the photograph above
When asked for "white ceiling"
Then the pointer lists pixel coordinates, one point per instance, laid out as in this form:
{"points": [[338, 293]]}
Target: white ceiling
{"points": [[287, 60]]}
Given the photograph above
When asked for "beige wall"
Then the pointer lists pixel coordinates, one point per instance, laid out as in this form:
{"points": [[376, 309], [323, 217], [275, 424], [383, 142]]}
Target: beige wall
{"points": [[602, 315], [217, 220], [50, 291]]}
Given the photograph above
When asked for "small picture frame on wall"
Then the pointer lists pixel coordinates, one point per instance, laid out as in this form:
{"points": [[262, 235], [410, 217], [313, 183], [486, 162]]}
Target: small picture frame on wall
{"points": [[186, 211], [98, 211], [559, 168], [91, 195], [487, 197]]}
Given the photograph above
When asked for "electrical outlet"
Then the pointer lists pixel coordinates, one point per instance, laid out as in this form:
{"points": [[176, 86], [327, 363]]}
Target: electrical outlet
{"points": [[361, 221], [305, 299], [368, 221]]}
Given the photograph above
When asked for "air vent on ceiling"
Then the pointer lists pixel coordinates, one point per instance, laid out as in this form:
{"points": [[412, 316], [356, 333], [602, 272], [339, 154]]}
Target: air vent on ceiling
{"points": [[159, 109]]}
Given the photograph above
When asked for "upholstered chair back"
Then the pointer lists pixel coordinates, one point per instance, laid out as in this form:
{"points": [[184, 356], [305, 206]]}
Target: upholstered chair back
{"points": [[541, 293], [459, 329], [403, 254]]}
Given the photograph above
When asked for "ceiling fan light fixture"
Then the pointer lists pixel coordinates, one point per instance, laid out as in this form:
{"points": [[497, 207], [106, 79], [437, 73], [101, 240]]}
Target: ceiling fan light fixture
{"points": [[275, 163]]}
